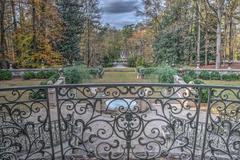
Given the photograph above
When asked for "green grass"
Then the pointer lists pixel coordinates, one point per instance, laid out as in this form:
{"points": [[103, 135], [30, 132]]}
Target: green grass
{"points": [[128, 69], [119, 77], [230, 93], [20, 82], [224, 83]]}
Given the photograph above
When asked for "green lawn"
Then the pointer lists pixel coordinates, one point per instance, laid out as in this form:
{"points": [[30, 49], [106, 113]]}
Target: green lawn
{"points": [[119, 77], [20, 82], [224, 83]]}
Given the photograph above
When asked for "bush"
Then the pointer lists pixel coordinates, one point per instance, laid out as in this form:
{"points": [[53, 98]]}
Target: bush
{"points": [[107, 61], [110, 64], [96, 72], [189, 76], [132, 61], [205, 75], [165, 74], [40, 75], [140, 62], [146, 71], [53, 78], [28, 75], [203, 93], [230, 77], [215, 75], [76, 74], [5, 75], [38, 94]]}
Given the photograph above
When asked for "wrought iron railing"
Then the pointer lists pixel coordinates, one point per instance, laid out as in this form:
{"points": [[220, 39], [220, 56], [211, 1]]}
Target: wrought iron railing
{"points": [[120, 121]]}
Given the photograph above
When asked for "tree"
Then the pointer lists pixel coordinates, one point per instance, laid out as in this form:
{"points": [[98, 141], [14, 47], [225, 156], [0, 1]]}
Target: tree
{"points": [[2, 29], [91, 27], [174, 42], [217, 6], [73, 19]]}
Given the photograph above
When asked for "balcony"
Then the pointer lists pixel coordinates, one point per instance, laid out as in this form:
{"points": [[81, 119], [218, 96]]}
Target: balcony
{"points": [[120, 121]]}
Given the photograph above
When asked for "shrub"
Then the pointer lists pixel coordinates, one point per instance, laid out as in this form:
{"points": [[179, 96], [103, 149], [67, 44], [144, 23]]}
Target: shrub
{"points": [[139, 68], [45, 74], [38, 94], [189, 76], [110, 64], [165, 74], [53, 78], [230, 77], [96, 72], [215, 75], [49, 74], [107, 61], [192, 73], [93, 72], [205, 75], [203, 93], [40, 75], [28, 75], [76, 74], [132, 61], [140, 61], [146, 71], [5, 75]]}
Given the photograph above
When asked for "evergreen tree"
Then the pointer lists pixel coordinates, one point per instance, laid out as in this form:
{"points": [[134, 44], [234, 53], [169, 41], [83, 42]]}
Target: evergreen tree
{"points": [[73, 19]]}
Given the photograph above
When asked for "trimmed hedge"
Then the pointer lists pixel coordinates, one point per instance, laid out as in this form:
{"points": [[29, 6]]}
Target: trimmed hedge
{"points": [[5, 75], [230, 77], [144, 72], [205, 75], [215, 75], [38, 75], [189, 76], [28, 75]]}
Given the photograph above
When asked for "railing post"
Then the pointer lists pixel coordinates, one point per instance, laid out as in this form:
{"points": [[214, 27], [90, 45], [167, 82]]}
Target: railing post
{"points": [[51, 95], [50, 125], [59, 121], [206, 123], [197, 120]]}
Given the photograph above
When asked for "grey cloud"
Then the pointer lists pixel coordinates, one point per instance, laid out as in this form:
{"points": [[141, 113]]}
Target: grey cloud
{"points": [[119, 7]]}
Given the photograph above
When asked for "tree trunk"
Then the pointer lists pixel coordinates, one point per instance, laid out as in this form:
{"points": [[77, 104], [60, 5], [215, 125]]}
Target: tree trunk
{"points": [[198, 34], [206, 46], [88, 44], [15, 27], [230, 41], [21, 14], [225, 40], [218, 43], [34, 41], [2, 28]]}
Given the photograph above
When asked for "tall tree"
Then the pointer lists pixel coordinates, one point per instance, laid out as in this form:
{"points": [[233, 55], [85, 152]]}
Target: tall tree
{"points": [[2, 29], [73, 19], [217, 6], [91, 26], [198, 4]]}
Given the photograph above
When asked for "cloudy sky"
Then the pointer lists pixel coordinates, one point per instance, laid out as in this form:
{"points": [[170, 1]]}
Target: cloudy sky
{"points": [[120, 12]]}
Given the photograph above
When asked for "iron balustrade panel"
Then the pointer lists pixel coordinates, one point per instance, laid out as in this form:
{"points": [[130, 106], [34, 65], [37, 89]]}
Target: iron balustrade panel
{"points": [[25, 124], [222, 134], [129, 121], [120, 121]]}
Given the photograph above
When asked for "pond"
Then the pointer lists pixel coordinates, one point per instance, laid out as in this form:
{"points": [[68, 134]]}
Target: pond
{"points": [[115, 104]]}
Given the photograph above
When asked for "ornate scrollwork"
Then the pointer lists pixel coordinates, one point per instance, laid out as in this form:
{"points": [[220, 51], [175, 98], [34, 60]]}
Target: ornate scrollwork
{"points": [[120, 121]]}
